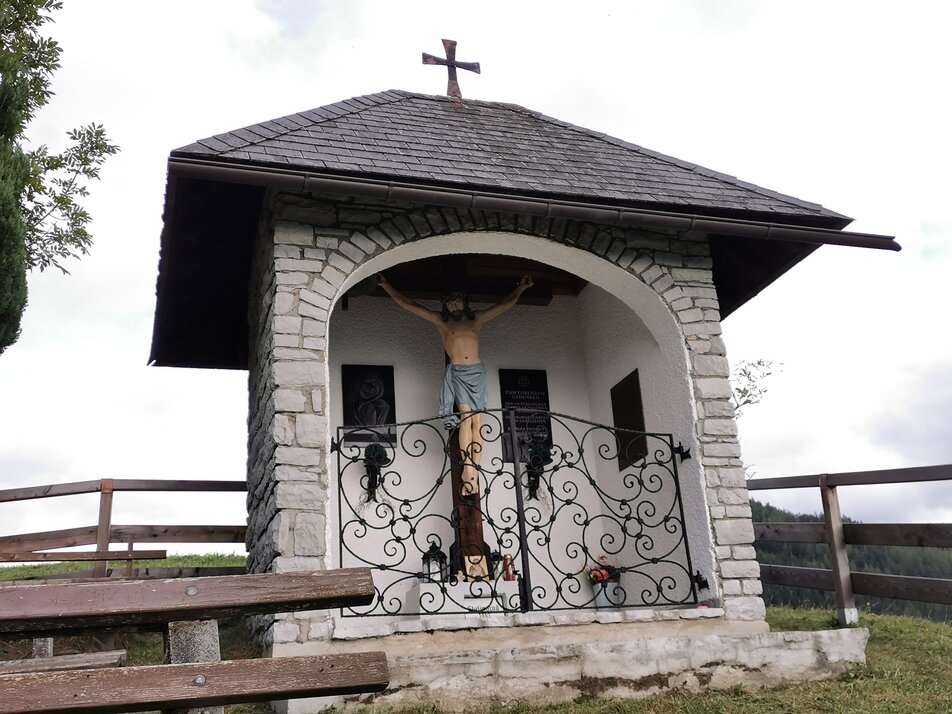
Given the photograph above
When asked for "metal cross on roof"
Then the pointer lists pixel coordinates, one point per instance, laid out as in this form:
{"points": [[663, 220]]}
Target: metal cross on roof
{"points": [[452, 86]]}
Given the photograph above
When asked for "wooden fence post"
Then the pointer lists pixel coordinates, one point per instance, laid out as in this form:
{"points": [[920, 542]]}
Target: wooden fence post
{"points": [[846, 612], [105, 522]]}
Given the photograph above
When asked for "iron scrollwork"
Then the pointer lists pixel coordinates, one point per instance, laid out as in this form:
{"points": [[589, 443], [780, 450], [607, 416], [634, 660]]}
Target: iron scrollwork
{"points": [[564, 514]]}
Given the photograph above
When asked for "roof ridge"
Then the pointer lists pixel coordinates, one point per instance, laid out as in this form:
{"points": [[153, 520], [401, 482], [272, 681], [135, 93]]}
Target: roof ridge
{"points": [[465, 100], [309, 117]]}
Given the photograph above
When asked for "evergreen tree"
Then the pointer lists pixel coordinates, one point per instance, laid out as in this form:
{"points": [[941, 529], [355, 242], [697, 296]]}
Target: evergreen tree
{"points": [[14, 170], [890, 560], [41, 222]]}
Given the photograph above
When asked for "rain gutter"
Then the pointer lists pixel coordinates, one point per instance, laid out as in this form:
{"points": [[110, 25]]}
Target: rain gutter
{"points": [[306, 181]]}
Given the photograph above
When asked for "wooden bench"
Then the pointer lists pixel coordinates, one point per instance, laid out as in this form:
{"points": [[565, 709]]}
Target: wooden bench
{"points": [[28, 611]]}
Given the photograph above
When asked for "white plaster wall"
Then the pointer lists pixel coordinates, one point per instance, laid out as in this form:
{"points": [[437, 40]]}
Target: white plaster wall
{"points": [[616, 342], [377, 331], [639, 306], [585, 345], [656, 316]]}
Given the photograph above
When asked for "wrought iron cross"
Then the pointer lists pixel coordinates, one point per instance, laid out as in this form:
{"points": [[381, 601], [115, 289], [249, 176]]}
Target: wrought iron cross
{"points": [[452, 86]]}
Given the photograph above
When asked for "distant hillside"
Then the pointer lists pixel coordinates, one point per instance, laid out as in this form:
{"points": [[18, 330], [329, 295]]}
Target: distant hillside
{"points": [[923, 562]]}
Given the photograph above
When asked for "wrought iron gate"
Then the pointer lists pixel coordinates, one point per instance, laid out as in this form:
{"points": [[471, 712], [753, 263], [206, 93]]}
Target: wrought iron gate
{"points": [[596, 520]]}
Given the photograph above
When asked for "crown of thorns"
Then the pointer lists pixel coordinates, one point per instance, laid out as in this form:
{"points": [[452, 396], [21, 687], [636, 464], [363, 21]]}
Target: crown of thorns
{"points": [[458, 295]]}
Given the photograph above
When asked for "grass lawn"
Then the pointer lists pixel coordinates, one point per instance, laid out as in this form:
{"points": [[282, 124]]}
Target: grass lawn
{"points": [[908, 670], [45, 570], [909, 667]]}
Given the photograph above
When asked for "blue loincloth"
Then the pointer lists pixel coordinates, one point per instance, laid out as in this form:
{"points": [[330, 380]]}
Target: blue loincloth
{"points": [[464, 384]]}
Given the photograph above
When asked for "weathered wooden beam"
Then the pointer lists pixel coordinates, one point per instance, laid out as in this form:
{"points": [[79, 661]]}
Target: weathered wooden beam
{"points": [[922, 535], [794, 577], [48, 491], [101, 555], [119, 484], [178, 534], [900, 587], [105, 521], [916, 474], [846, 612], [33, 610], [44, 540], [130, 484], [790, 532], [59, 663], [86, 535], [936, 590], [204, 571], [767, 484], [132, 689]]}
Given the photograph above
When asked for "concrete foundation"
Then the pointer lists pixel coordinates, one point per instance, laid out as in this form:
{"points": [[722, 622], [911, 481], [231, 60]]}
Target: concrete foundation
{"points": [[464, 670]]}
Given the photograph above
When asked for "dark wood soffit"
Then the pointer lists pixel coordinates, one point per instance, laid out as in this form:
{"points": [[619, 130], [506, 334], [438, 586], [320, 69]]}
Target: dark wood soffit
{"points": [[743, 267], [202, 292], [204, 273], [487, 278]]}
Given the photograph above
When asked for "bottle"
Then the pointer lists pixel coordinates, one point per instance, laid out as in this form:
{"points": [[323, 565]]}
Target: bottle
{"points": [[508, 571]]}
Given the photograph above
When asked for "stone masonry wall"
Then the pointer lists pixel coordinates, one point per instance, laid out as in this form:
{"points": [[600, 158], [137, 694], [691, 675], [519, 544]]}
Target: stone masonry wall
{"points": [[306, 249]]}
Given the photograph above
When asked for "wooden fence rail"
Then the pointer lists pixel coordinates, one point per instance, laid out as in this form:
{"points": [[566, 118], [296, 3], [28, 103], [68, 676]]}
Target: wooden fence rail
{"points": [[837, 535], [117, 484], [33, 547]]}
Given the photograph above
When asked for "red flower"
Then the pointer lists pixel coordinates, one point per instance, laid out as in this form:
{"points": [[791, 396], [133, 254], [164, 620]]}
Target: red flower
{"points": [[603, 572]]}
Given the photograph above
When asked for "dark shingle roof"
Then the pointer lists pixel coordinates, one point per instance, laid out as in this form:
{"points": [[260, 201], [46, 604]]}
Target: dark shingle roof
{"points": [[398, 135]]}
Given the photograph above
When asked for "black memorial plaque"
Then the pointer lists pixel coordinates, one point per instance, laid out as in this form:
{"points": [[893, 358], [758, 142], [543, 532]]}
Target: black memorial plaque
{"points": [[629, 416], [369, 403], [526, 390]]}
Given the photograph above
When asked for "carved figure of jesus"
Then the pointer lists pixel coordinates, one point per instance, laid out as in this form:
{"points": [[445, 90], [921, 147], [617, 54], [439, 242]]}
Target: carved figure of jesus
{"points": [[465, 379]]}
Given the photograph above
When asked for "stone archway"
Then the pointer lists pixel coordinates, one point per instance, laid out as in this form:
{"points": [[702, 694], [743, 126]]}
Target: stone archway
{"points": [[303, 268], [572, 340]]}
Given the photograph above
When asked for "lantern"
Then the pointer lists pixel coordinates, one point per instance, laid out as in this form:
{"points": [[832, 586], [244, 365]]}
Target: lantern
{"points": [[434, 563]]}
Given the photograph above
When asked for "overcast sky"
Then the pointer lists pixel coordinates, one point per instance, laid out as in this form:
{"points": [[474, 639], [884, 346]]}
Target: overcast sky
{"points": [[841, 103]]}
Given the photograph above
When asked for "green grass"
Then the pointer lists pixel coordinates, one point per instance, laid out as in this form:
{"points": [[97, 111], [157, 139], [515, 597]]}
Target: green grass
{"points": [[909, 667], [44, 570], [908, 670]]}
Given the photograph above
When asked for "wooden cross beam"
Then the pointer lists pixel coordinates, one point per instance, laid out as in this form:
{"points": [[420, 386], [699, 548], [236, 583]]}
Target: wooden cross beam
{"points": [[452, 86]]}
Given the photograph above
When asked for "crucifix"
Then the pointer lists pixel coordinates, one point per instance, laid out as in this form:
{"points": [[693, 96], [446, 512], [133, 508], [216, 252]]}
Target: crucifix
{"points": [[452, 86], [462, 399]]}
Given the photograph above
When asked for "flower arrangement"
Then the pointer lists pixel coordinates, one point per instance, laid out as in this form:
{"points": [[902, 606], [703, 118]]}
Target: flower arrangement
{"points": [[375, 458], [603, 571]]}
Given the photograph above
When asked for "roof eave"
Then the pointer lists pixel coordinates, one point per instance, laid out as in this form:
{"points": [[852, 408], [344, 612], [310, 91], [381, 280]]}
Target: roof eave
{"points": [[381, 189]]}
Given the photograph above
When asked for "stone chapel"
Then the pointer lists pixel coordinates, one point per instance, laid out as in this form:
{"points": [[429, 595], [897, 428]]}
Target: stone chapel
{"points": [[610, 528]]}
